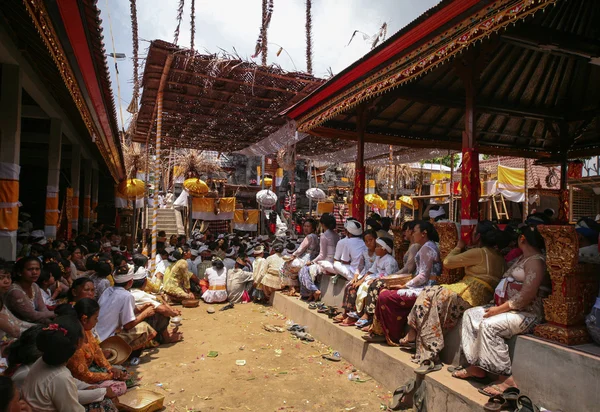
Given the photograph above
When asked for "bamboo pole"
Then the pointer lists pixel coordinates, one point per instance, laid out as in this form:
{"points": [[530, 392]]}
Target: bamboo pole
{"points": [[159, 107]]}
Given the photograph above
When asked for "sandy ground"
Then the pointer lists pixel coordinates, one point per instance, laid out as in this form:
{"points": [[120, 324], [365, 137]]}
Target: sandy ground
{"points": [[281, 372]]}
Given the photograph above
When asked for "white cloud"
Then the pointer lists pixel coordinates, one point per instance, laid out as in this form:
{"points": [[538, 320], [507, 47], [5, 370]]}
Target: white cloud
{"points": [[230, 24]]}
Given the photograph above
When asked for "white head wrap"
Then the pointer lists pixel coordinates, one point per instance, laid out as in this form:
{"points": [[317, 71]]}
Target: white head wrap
{"points": [[384, 245], [124, 278], [437, 213], [354, 227]]}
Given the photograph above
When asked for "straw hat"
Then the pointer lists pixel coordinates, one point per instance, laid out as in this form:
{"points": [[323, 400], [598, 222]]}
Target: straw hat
{"points": [[118, 348]]}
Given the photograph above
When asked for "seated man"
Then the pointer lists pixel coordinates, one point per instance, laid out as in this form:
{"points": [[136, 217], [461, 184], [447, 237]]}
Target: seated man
{"points": [[118, 313], [239, 280], [352, 254], [162, 311]]}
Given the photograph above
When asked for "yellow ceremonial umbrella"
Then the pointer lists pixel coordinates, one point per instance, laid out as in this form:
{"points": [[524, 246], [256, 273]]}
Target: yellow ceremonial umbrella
{"points": [[374, 200], [268, 182], [132, 188], [195, 186]]}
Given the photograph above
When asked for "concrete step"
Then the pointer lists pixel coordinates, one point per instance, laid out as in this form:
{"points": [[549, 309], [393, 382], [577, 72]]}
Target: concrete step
{"points": [[388, 365]]}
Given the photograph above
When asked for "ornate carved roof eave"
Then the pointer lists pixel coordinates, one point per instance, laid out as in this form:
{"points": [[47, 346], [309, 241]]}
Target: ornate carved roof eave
{"points": [[438, 51], [43, 24]]}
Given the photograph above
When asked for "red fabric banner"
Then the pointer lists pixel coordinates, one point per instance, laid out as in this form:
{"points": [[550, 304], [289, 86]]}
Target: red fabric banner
{"points": [[358, 196], [575, 169], [470, 192]]}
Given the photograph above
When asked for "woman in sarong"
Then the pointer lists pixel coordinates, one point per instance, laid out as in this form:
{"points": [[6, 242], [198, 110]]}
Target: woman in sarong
{"points": [[396, 306], [306, 252], [177, 283], [517, 309], [217, 282], [439, 308], [323, 262]]}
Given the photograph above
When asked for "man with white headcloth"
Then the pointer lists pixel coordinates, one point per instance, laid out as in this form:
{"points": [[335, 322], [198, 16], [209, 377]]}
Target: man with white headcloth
{"points": [[351, 258]]}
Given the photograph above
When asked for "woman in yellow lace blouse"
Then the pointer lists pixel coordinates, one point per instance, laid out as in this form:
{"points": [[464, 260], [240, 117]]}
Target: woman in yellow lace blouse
{"points": [[89, 354], [439, 308]]}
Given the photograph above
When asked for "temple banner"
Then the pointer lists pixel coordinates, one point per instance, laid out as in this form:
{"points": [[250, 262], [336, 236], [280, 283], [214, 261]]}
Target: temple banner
{"points": [[213, 209], [246, 220]]}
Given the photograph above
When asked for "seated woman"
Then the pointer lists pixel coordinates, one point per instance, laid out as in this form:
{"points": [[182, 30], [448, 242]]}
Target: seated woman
{"points": [[177, 283], [518, 309], [350, 291], [10, 326], [101, 269], [88, 363], [49, 385], [393, 306], [24, 297], [47, 285], [216, 276], [323, 262], [270, 281], [23, 353], [439, 308], [306, 252], [81, 288]]}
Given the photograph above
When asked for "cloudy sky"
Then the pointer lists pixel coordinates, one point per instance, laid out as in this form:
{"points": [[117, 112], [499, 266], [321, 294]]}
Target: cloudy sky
{"points": [[235, 24]]}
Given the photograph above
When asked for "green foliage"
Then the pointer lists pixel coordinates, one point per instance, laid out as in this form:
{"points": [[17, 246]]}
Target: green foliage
{"points": [[445, 160]]}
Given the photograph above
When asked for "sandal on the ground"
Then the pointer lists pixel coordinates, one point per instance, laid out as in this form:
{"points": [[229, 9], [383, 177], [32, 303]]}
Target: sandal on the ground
{"points": [[322, 308], [334, 357], [366, 328], [372, 338], [303, 336], [511, 394], [524, 404], [468, 377], [296, 328], [495, 403], [312, 305], [428, 366], [353, 315], [402, 397], [348, 323]]}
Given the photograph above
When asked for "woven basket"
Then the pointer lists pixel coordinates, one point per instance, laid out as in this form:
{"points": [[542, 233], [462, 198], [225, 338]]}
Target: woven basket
{"points": [[396, 281]]}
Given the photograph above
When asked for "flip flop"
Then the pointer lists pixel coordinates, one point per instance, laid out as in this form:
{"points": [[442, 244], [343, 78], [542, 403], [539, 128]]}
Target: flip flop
{"points": [[428, 366], [524, 404], [226, 307], [453, 369], [333, 312], [407, 345], [488, 394], [322, 308], [296, 328], [402, 397], [334, 357], [482, 379], [353, 315], [337, 320], [361, 323], [312, 305], [352, 323], [511, 395], [373, 338], [303, 336], [495, 403]]}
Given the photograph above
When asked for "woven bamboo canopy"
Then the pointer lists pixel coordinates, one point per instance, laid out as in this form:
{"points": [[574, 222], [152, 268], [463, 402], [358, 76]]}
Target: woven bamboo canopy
{"points": [[215, 102]]}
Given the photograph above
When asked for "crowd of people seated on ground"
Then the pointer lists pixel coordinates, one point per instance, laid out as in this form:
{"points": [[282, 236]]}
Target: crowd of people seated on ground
{"points": [[75, 295]]}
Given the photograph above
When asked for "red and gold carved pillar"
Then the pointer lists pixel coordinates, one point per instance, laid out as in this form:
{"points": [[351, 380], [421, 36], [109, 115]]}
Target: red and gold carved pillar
{"points": [[470, 192], [574, 288]]}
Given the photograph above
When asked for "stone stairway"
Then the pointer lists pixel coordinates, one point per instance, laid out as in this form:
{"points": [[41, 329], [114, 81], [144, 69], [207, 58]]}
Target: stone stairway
{"points": [[168, 220]]}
